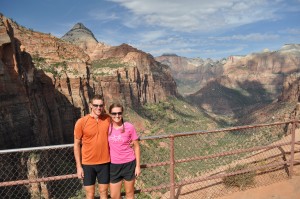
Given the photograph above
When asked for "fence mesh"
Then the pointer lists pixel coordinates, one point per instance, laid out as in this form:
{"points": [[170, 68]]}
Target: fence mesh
{"points": [[202, 165]]}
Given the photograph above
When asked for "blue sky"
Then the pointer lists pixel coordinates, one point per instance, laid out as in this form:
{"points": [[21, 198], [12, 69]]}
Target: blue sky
{"points": [[191, 28]]}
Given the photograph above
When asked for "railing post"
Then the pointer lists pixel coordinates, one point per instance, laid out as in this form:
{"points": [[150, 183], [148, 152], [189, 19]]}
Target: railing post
{"points": [[292, 148], [172, 170]]}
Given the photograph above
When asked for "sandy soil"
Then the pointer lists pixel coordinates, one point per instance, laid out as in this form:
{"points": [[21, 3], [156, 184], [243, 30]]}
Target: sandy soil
{"points": [[288, 189]]}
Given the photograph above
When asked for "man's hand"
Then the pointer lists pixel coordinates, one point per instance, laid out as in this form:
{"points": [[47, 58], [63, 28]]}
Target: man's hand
{"points": [[131, 144], [80, 173]]}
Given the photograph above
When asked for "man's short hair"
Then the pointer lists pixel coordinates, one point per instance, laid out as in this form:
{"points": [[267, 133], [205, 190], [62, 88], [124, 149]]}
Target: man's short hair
{"points": [[96, 97]]}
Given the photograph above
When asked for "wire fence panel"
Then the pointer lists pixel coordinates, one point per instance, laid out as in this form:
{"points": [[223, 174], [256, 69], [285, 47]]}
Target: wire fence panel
{"points": [[188, 165], [31, 174]]}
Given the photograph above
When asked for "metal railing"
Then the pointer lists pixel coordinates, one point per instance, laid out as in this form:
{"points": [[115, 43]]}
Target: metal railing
{"points": [[202, 164]]}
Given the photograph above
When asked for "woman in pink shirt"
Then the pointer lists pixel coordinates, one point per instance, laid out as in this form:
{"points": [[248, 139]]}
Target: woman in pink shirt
{"points": [[125, 159]]}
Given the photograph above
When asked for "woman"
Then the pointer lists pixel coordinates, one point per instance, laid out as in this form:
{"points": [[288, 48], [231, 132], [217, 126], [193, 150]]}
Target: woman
{"points": [[125, 160]]}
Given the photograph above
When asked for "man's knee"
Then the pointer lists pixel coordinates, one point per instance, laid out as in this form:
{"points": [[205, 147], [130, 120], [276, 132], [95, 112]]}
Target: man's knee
{"points": [[90, 192], [103, 190]]}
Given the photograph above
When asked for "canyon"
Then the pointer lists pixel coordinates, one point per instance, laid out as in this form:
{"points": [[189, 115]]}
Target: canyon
{"points": [[46, 83]]}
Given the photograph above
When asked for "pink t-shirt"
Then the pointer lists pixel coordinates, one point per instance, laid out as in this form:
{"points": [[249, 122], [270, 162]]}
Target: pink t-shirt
{"points": [[119, 144]]}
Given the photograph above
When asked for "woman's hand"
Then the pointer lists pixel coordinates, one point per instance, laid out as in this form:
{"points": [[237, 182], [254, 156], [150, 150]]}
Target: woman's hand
{"points": [[137, 171]]}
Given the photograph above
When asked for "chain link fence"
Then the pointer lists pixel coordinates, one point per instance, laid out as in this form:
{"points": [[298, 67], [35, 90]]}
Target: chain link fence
{"points": [[190, 165]]}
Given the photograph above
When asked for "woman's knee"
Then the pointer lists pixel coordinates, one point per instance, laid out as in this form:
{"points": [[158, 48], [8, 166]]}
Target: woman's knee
{"points": [[129, 194]]}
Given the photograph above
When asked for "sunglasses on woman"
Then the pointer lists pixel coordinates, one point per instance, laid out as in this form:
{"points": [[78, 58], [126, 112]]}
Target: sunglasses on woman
{"points": [[116, 113]]}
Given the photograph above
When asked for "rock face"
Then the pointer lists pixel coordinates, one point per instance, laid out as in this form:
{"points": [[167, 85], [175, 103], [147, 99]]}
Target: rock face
{"points": [[267, 68], [191, 74], [131, 75], [29, 110], [291, 88], [227, 86], [46, 82]]}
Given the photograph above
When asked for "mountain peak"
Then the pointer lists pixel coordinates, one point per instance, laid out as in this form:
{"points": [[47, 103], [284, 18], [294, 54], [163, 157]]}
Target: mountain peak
{"points": [[78, 34], [82, 37], [79, 26]]}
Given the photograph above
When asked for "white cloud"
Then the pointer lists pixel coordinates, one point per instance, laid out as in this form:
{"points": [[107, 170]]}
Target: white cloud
{"points": [[293, 30], [249, 37], [198, 15], [151, 35], [103, 15]]}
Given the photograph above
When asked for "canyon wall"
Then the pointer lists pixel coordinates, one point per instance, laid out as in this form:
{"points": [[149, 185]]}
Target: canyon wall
{"points": [[46, 83]]}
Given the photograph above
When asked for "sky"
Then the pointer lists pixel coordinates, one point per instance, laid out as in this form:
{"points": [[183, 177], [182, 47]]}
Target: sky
{"points": [[213, 29]]}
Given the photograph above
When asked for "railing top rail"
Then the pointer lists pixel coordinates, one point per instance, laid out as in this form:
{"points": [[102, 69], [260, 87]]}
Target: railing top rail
{"points": [[154, 137], [36, 148], [180, 134]]}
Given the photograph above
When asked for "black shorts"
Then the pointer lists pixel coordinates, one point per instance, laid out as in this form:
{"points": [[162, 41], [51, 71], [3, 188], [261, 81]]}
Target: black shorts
{"points": [[124, 171], [99, 171]]}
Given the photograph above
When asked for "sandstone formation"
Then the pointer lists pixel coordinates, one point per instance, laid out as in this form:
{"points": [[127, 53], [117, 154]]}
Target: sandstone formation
{"points": [[291, 88], [82, 37], [228, 86], [46, 82], [191, 74], [267, 68]]}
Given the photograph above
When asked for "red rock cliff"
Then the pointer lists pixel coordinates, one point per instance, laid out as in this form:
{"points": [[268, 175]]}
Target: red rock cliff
{"points": [[46, 83]]}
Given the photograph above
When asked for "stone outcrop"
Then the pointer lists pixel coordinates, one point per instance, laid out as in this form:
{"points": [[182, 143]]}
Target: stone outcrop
{"points": [[133, 75], [229, 86], [46, 83], [32, 111], [191, 74], [267, 68], [291, 88]]}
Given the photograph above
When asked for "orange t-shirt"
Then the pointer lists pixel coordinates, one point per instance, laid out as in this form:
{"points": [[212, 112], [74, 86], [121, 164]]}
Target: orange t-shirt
{"points": [[94, 139]]}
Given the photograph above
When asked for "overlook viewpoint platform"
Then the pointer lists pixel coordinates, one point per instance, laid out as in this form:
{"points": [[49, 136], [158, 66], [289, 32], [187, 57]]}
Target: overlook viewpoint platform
{"points": [[259, 161]]}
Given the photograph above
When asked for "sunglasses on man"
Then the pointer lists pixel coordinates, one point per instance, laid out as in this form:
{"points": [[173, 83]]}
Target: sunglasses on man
{"points": [[97, 105]]}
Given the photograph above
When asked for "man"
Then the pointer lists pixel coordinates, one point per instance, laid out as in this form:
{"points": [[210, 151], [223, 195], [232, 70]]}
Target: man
{"points": [[92, 160]]}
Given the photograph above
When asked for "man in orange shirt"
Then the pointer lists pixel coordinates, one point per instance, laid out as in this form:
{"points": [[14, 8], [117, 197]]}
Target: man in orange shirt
{"points": [[91, 149]]}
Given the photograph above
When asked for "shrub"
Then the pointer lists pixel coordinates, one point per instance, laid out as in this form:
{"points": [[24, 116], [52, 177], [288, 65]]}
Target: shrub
{"points": [[239, 180]]}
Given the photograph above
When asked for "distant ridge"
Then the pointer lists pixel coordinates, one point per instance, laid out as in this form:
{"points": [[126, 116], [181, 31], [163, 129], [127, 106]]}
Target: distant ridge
{"points": [[290, 48], [169, 54]]}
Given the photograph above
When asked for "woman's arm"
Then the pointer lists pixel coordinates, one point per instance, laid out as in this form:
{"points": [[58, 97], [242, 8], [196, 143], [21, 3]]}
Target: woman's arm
{"points": [[136, 148]]}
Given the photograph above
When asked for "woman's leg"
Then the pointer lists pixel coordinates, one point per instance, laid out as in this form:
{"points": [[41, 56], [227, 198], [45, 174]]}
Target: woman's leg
{"points": [[129, 188], [115, 190]]}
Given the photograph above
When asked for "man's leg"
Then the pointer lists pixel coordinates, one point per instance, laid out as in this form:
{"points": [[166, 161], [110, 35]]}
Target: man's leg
{"points": [[103, 191], [103, 179], [89, 180], [90, 191]]}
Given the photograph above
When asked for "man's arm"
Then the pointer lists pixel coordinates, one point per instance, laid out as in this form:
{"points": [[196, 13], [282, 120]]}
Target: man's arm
{"points": [[77, 155]]}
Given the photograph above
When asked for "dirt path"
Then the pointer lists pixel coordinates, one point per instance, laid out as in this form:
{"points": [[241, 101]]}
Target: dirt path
{"points": [[288, 189]]}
